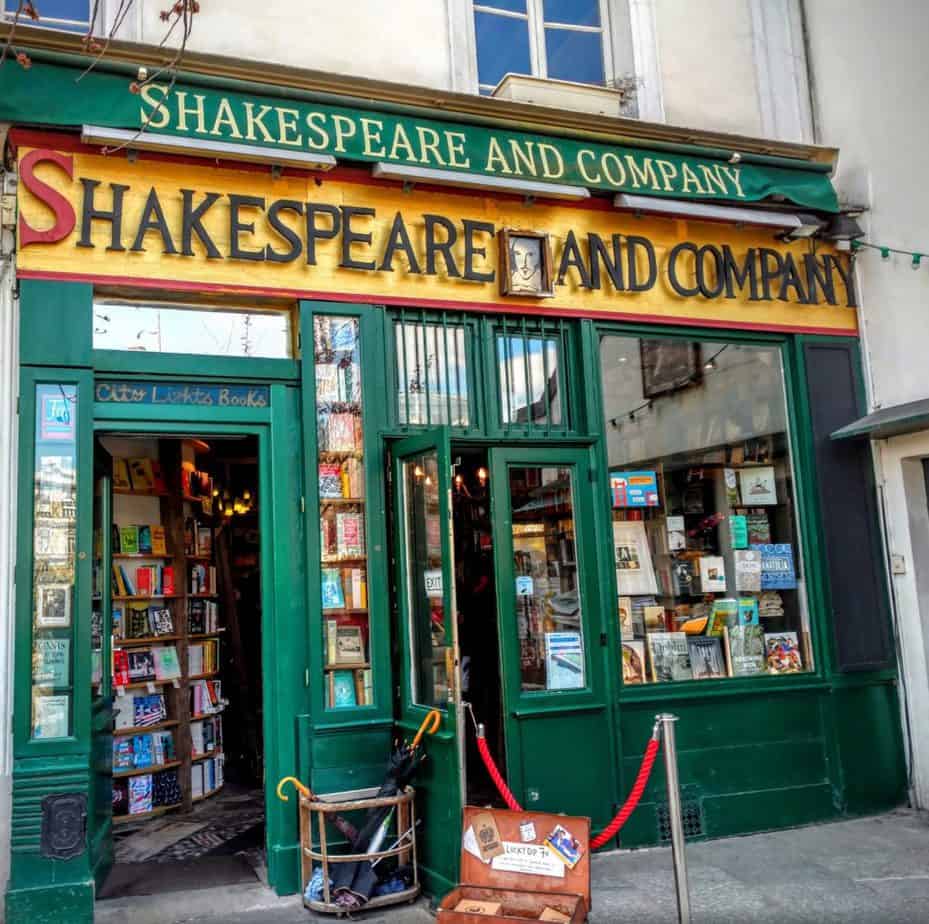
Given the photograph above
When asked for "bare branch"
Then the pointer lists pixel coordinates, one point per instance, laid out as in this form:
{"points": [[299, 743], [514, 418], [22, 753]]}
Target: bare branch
{"points": [[92, 45], [23, 8]]}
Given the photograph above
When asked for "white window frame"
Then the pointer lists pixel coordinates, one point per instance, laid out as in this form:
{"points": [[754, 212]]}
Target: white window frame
{"points": [[535, 17], [46, 21]]}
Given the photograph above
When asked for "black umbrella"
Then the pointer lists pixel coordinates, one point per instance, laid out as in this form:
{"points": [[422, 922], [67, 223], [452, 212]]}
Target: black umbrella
{"points": [[353, 883]]}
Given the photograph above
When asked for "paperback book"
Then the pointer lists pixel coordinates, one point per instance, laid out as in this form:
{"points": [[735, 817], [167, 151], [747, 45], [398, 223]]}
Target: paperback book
{"points": [[669, 654], [706, 657], [782, 653], [746, 650], [634, 661]]}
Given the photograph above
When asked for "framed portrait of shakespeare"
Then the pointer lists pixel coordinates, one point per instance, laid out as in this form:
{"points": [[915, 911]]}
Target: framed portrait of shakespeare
{"points": [[525, 263]]}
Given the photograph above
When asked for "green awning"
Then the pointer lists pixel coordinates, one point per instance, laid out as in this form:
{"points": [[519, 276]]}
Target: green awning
{"points": [[887, 422], [49, 95]]}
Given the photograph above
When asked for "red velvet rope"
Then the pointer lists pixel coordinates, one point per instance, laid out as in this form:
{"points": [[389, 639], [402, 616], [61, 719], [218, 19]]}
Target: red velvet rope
{"points": [[629, 806]]}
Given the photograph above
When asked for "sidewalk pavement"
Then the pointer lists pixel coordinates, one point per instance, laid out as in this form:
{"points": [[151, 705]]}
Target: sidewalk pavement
{"points": [[872, 870]]}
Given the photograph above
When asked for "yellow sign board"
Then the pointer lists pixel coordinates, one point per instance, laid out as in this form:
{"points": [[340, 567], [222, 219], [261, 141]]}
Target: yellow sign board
{"points": [[189, 227]]}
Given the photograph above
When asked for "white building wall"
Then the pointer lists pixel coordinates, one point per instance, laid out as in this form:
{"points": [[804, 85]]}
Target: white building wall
{"points": [[9, 390], [869, 70]]}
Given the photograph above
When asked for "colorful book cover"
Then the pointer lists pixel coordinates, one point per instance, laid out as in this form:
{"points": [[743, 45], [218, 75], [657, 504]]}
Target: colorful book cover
{"points": [[160, 620], [327, 383], [333, 595], [758, 487], [141, 666], [149, 710], [626, 628], [732, 487], [120, 668], [129, 540], [782, 653], [759, 528], [634, 489], [167, 665], [738, 531], [167, 581], [122, 754], [777, 566], [143, 582], [706, 657], [140, 794], [330, 479], [121, 480], [669, 654], [748, 611], [725, 612], [141, 474], [747, 564], [712, 571], [142, 751], [343, 684], [159, 485], [204, 540], [349, 535], [634, 661], [51, 665], [746, 650], [159, 546], [145, 539], [126, 582], [138, 624]]}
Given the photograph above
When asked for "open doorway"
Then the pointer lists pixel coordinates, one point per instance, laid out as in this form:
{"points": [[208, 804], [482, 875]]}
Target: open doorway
{"points": [[182, 568], [478, 630]]}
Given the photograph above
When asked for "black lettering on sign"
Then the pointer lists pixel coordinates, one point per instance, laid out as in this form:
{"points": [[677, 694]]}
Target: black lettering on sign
{"points": [[192, 223], [674, 269], [237, 226], [399, 239], [314, 232], [443, 248], [153, 219], [471, 250], [350, 236], [285, 231], [634, 243], [90, 213]]}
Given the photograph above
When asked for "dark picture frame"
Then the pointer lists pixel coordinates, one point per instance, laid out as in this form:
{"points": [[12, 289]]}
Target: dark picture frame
{"points": [[525, 263], [668, 365]]}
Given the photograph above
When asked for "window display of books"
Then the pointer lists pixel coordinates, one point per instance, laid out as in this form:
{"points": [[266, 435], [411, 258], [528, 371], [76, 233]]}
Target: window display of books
{"points": [[706, 566], [342, 534], [166, 626]]}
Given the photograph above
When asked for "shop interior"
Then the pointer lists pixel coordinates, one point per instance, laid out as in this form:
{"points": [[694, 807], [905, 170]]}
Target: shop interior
{"points": [[185, 591]]}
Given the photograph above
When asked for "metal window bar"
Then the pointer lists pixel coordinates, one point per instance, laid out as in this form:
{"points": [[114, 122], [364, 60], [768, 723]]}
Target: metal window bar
{"points": [[548, 406], [448, 387], [508, 419], [425, 366], [401, 342], [527, 370]]}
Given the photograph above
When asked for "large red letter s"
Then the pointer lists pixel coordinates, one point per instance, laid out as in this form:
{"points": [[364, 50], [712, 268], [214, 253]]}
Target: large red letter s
{"points": [[61, 208]]}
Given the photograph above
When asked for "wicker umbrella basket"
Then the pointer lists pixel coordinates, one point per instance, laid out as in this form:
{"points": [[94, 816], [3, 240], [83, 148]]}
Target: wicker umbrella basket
{"points": [[315, 810]]}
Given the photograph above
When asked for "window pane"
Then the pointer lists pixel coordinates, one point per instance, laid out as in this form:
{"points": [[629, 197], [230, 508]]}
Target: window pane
{"points": [[55, 516], [574, 55], [705, 538], [192, 329], [529, 380], [72, 15], [573, 12], [342, 499], [502, 46], [430, 650], [515, 6], [432, 372], [548, 602]]}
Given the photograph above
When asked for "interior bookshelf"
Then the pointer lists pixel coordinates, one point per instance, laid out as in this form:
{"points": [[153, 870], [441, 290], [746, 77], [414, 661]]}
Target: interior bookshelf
{"points": [[347, 676], [167, 740]]}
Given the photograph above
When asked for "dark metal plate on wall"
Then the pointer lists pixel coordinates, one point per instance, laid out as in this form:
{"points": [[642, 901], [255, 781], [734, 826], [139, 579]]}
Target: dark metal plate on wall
{"points": [[64, 826]]}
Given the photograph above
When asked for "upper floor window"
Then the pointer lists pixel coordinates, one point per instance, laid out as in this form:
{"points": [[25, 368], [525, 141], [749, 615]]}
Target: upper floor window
{"points": [[73, 15], [559, 39]]}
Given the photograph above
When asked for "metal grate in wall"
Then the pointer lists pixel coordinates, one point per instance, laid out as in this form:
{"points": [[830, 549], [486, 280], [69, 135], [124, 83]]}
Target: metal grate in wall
{"points": [[691, 817]]}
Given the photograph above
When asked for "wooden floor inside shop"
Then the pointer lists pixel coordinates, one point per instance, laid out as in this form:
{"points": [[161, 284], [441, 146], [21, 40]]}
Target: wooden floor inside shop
{"points": [[219, 842]]}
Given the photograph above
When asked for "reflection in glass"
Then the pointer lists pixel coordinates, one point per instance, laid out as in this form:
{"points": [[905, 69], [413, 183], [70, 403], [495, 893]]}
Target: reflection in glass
{"points": [[574, 55], [430, 648], [432, 372], [706, 547], [529, 379], [53, 548], [192, 330], [548, 601], [502, 47]]}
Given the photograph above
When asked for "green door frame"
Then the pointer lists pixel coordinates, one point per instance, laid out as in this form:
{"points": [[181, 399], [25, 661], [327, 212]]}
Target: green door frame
{"points": [[284, 667]]}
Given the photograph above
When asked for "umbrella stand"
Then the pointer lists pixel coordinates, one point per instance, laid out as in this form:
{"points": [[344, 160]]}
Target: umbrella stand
{"points": [[314, 812]]}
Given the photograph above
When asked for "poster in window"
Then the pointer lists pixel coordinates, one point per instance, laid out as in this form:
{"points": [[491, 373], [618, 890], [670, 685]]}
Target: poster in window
{"points": [[51, 662], [50, 716], [56, 415], [635, 574], [53, 606], [564, 661], [758, 486], [668, 365]]}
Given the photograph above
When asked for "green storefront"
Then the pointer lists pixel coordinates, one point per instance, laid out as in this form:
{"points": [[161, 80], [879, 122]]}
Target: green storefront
{"points": [[557, 459]]}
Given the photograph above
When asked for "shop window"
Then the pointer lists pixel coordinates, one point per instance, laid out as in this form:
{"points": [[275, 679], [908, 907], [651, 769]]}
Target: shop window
{"points": [[558, 39], [432, 373], [705, 537], [548, 602], [342, 497], [430, 650], [530, 377], [53, 554], [193, 329], [72, 15]]}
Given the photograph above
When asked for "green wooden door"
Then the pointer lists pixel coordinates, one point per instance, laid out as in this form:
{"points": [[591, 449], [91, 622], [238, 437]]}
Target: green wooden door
{"points": [[428, 643], [100, 809], [552, 631]]}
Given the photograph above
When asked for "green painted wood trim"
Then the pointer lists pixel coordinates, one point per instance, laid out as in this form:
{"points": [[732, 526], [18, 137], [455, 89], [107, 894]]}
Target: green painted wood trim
{"points": [[56, 323], [52, 904], [195, 367]]}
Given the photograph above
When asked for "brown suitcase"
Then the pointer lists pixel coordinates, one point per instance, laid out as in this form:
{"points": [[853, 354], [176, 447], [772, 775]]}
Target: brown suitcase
{"points": [[523, 895]]}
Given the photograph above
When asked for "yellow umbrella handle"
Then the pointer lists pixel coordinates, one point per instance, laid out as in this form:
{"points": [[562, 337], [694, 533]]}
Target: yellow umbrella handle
{"points": [[297, 785], [430, 726]]}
